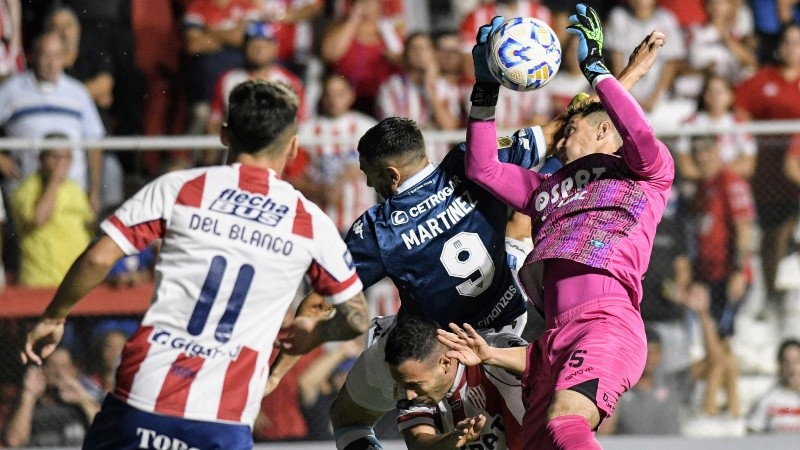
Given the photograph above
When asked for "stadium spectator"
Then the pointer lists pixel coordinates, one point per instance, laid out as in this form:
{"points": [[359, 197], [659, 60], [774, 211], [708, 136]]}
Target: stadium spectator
{"points": [[560, 10], [45, 208], [157, 39], [635, 18], [295, 34], [334, 179], [365, 49], [159, 368], [45, 100], [725, 225], [486, 10], [419, 93], [260, 62], [12, 56], [688, 13], [213, 36], [777, 410], [717, 47], [104, 358], [569, 79], [92, 64], [319, 383], [770, 17], [448, 405], [449, 57], [769, 95], [55, 406], [715, 109]]}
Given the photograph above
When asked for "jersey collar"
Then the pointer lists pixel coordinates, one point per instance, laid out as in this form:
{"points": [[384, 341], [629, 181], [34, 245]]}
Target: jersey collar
{"points": [[416, 178], [458, 381]]}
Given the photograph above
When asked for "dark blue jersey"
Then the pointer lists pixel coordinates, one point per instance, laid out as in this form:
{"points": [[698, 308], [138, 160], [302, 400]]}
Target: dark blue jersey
{"points": [[442, 241]]}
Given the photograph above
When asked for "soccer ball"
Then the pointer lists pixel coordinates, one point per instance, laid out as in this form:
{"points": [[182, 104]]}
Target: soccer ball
{"points": [[523, 54]]}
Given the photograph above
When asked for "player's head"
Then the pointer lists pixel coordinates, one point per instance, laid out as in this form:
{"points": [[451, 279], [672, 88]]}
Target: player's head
{"points": [[588, 131], [260, 45], [391, 152], [262, 121], [418, 361], [789, 360]]}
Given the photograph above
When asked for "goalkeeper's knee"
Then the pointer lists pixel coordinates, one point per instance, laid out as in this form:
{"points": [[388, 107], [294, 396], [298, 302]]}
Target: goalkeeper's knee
{"points": [[356, 438]]}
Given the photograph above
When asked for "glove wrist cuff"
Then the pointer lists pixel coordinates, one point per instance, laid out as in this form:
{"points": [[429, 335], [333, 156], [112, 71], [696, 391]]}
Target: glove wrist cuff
{"points": [[485, 94]]}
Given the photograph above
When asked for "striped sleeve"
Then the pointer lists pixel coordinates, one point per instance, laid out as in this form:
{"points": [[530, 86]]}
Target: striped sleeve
{"points": [[413, 415]]}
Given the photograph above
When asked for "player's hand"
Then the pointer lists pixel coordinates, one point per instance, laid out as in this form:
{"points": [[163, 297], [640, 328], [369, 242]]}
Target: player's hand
{"points": [[47, 333], [302, 336], [479, 60], [466, 345], [586, 25], [645, 54], [469, 430]]}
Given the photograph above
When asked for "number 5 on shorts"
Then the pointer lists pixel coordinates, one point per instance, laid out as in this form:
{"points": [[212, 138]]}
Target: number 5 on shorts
{"points": [[465, 256]]}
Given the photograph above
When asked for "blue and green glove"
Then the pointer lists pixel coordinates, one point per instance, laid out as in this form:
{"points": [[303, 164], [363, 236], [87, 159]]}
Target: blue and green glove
{"points": [[486, 88], [586, 25]]}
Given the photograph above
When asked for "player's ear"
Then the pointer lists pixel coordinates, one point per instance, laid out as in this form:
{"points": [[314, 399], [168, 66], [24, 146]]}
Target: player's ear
{"points": [[445, 363], [394, 175], [223, 135], [293, 148]]}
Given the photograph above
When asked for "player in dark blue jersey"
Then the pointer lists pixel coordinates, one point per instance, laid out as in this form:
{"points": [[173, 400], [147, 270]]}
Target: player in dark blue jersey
{"points": [[441, 239]]}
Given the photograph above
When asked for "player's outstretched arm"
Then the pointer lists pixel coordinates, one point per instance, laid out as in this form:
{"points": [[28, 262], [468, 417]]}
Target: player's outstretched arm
{"points": [[641, 151], [641, 60], [470, 349], [510, 183], [89, 270], [350, 320]]}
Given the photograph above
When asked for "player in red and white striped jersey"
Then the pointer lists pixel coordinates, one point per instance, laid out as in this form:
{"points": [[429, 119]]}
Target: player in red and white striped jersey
{"points": [[337, 183], [448, 403], [237, 242]]}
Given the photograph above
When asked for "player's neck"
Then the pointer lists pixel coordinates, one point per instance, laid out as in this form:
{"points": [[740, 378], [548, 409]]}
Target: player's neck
{"points": [[263, 162]]}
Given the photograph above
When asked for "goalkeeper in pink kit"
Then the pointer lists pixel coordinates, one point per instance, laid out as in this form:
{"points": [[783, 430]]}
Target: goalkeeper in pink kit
{"points": [[593, 227]]}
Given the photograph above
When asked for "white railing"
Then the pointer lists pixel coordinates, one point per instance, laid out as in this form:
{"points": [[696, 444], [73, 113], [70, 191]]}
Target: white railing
{"points": [[164, 143]]}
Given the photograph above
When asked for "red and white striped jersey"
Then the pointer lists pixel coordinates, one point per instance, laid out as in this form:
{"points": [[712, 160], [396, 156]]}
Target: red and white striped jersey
{"points": [[400, 97], [731, 146], [237, 242], [480, 389], [778, 411], [336, 165], [483, 14], [232, 78]]}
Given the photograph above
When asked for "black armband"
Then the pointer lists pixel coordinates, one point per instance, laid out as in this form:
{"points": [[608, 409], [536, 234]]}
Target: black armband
{"points": [[485, 94]]}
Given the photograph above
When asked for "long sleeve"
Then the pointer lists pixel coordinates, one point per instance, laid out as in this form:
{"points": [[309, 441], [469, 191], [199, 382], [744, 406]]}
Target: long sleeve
{"points": [[512, 184], [645, 155]]}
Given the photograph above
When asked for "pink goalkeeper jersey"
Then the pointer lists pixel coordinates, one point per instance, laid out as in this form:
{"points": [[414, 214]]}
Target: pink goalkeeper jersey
{"points": [[237, 241], [600, 210]]}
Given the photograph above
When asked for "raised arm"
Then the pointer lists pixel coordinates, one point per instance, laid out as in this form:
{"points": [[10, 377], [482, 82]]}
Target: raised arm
{"points": [[510, 183]]}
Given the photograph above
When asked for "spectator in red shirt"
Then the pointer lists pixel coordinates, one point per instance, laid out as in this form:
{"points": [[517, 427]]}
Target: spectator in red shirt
{"points": [[365, 49], [725, 218], [771, 94], [213, 36]]}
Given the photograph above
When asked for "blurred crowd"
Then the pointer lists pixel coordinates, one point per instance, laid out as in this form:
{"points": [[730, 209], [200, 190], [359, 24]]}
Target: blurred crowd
{"points": [[83, 69]]}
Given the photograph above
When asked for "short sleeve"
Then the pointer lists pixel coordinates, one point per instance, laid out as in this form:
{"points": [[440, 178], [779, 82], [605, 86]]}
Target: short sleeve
{"points": [[363, 243], [91, 122], [410, 415], [143, 218], [525, 148], [332, 272]]}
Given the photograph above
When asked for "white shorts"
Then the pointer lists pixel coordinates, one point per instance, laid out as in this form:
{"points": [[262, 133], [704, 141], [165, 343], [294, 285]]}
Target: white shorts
{"points": [[369, 382]]}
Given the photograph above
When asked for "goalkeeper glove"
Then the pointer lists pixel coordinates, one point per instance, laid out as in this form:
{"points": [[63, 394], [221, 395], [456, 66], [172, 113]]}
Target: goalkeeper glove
{"points": [[486, 88], [586, 25]]}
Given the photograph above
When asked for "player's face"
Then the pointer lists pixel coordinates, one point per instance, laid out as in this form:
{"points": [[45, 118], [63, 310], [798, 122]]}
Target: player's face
{"points": [[378, 178], [424, 382], [580, 139], [790, 367]]}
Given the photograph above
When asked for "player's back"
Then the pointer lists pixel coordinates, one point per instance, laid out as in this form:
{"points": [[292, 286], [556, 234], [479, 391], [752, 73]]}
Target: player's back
{"points": [[237, 242], [442, 242]]}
